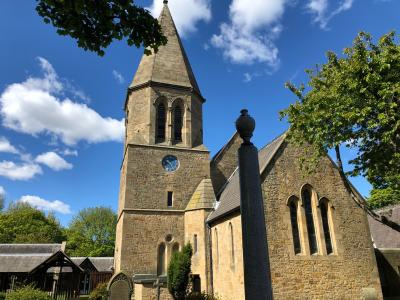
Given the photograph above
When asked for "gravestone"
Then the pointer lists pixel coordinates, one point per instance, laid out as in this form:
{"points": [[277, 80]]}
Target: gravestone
{"points": [[120, 287]]}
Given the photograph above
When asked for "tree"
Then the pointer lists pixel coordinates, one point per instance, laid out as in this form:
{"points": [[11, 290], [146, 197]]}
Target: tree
{"points": [[1, 201], [354, 101], [92, 232], [178, 272], [96, 23], [22, 223]]}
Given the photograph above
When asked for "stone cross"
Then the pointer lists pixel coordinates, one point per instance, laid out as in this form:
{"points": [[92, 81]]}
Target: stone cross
{"points": [[257, 277]]}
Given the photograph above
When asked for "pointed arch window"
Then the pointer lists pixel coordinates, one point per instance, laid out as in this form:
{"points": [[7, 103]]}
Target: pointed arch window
{"points": [[232, 242], [293, 207], [161, 270], [324, 206], [216, 248], [160, 123], [175, 248], [178, 122], [312, 237]]}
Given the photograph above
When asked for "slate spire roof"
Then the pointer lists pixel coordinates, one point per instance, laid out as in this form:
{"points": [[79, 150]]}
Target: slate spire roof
{"points": [[170, 64]]}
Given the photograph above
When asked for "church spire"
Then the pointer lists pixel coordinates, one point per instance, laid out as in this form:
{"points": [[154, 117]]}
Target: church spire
{"points": [[170, 64]]}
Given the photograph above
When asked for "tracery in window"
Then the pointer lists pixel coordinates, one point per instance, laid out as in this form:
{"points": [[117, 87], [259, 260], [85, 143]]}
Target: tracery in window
{"points": [[312, 237], [293, 207]]}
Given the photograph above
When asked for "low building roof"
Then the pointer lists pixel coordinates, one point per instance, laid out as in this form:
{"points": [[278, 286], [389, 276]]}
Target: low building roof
{"points": [[229, 200], [382, 235], [22, 258]]}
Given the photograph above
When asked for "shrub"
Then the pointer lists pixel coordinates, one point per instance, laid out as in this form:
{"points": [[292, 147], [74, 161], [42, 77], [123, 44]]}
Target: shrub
{"points": [[178, 272], [99, 293], [202, 296], [28, 293], [2, 295]]}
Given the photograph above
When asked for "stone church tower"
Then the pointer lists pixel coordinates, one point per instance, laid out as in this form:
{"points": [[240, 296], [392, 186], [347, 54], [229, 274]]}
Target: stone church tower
{"points": [[165, 191]]}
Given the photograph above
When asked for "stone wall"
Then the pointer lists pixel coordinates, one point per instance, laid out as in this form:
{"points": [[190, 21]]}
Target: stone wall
{"points": [[225, 162], [145, 218], [195, 225], [228, 279], [143, 232], [351, 271]]}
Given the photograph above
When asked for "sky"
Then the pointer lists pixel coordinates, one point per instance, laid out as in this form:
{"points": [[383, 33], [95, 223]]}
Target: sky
{"points": [[61, 108]]}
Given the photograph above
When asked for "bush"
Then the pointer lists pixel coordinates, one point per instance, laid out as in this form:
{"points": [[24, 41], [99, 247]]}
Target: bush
{"points": [[202, 296], [178, 272], [2, 296], [99, 293], [28, 293]]}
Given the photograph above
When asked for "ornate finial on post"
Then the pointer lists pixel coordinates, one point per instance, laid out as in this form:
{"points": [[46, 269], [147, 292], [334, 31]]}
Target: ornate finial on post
{"points": [[165, 1], [245, 125]]}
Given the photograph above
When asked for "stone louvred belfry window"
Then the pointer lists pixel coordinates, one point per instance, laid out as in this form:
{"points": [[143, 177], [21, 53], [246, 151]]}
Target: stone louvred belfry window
{"points": [[312, 237], [160, 123], [325, 225], [161, 270], [178, 122], [295, 225]]}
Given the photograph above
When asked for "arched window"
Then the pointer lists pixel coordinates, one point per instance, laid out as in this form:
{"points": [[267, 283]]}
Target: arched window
{"points": [[178, 122], [325, 225], [175, 248], [194, 243], [161, 260], [312, 237], [216, 248], [232, 242], [295, 225], [160, 123]]}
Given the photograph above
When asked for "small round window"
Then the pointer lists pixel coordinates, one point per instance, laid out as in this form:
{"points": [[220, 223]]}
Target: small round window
{"points": [[170, 163]]}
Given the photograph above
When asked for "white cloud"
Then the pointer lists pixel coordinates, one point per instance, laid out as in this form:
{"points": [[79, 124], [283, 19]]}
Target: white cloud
{"points": [[186, 13], [249, 36], [118, 76], [34, 107], [2, 191], [322, 13], [23, 171], [5, 146], [56, 205], [53, 161], [70, 152]]}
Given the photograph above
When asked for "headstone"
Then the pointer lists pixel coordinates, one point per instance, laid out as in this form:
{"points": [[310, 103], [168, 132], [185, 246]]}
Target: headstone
{"points": [[120, 287]]}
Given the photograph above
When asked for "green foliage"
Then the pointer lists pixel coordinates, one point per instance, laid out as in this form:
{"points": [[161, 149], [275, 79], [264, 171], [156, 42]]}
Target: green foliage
{"points": [[202, 296], [2, 295], [1, 204], [354, 100], [99, 293], [384, 197], [22, 223], [92, 232], [178, 272], [96, 23], [28, 293]]}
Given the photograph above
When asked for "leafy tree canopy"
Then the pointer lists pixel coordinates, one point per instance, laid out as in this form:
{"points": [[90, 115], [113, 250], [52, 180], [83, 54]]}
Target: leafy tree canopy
{"points": [[21, 223], [354, 101], [179, 271], [96, 23], [92, 233]]}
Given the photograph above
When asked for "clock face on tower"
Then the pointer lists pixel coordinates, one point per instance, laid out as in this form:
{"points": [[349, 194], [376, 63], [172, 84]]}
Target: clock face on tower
{"points": [[170, 163]]}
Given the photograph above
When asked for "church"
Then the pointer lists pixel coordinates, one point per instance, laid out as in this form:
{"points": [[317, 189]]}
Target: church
{"points": [[173, 193]]}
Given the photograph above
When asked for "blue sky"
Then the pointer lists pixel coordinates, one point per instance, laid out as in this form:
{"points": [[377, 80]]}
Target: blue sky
{"points": [[61, 117]]}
